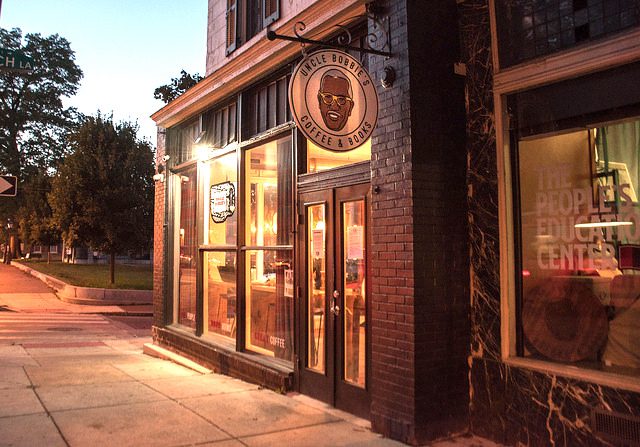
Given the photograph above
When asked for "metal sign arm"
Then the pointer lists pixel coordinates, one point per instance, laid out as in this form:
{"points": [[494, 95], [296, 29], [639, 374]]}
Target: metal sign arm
{"points": [[272, 35]]}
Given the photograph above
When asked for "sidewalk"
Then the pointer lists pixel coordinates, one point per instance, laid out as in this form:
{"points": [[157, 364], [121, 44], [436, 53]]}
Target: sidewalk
{"points": [[109, 394], [21, 292], [96, 387], [112, 395]]}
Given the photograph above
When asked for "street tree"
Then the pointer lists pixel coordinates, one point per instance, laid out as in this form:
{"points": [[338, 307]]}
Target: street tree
{"points": [[176, 87], [33, 120], [35, 226], [102, 194]]}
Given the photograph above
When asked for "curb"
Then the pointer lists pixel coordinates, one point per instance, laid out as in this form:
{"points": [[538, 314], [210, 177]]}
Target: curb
{"points": [[156, 351], [89, 295]]}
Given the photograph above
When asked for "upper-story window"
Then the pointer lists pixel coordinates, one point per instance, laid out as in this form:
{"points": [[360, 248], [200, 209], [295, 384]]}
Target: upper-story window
{"points": [[532, 28], [181, 141], [245, 18]]}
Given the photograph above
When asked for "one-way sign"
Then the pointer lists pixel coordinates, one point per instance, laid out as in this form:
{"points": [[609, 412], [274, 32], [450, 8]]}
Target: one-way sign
{"points": [[8, 185]]}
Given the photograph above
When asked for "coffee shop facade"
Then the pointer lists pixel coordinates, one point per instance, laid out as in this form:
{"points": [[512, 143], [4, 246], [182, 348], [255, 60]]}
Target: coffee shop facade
{"points": [[465, 261]]}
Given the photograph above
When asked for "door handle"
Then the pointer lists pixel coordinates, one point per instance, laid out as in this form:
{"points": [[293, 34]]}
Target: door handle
{"points": [[332, 307]]}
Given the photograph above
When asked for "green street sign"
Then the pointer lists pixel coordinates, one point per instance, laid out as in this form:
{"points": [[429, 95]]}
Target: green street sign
{"points": [[15, 60]]}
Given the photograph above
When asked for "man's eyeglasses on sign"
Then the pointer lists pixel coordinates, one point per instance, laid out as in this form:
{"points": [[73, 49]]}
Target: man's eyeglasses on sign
{"points": [[328, 98]]}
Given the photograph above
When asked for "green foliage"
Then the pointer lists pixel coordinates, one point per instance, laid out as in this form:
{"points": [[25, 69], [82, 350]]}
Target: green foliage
{"points": [[33, 120], [34, 216], [34, 123], [176, 87], [102, 194]]}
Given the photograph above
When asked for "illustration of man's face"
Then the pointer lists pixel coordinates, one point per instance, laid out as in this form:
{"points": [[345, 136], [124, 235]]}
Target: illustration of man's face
{"points": [[335, 100]]}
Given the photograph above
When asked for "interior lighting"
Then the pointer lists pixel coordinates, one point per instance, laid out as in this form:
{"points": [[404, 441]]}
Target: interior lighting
{"points": [[603, 224]]}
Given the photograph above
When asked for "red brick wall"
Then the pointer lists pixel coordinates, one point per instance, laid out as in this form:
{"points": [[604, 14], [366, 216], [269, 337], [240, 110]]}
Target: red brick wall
{"points": [[392, 314], [159, 239], [420, 298]]}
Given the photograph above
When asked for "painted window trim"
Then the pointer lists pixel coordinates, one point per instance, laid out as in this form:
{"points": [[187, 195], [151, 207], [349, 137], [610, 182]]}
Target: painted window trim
{"points": [[612, 380], [234, 12], [231, 17], [607, 54], [275, 14]]}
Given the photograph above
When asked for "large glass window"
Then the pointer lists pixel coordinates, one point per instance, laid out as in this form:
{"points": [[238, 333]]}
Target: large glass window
{"points": [[220, 293], [580, 246], [186, 206], [181, 141], [269, 271], [234, 238], [269, 302], [221, 228], [221, 186]]}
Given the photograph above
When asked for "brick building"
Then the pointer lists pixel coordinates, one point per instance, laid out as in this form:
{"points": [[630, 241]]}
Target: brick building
{"points": [[470, 267]]}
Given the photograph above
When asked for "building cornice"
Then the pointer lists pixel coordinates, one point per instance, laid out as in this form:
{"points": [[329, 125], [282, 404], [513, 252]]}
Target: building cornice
{"points": [[254, 60]]}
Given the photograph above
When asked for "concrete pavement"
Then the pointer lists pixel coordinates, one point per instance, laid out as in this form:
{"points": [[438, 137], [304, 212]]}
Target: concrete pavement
{"points": [[70, 377]]}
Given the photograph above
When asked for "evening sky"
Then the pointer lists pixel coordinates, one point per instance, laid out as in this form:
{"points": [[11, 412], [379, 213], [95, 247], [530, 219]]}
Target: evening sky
{"points": [[126, 48]]}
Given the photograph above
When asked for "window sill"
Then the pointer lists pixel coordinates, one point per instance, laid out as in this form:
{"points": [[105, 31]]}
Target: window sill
{"points": [[617, 381]]}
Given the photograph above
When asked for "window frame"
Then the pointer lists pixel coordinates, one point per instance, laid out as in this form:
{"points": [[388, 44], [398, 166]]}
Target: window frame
{"points": [[237, 27], [240, 249], [609, 53], [174, 244]]}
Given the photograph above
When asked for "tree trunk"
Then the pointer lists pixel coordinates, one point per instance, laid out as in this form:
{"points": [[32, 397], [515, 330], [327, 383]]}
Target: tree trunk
{"points": [[14, 243], [112, 267]]}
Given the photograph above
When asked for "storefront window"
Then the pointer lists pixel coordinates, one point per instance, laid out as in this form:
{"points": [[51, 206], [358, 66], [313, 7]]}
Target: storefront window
{"points": [[319, 159], [221, 191], [269, 194], [221, 228], [220, 293], [181, 141], [187, 247], [269, 272], [580, 247], [269, 302]]}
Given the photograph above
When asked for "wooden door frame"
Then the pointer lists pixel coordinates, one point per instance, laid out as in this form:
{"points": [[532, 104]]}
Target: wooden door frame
{"points": [[313, 383], [330, 387], [347, 397]]}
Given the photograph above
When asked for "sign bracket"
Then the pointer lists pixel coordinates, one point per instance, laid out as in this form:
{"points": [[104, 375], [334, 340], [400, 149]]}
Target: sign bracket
{"points": [[343, 42]]}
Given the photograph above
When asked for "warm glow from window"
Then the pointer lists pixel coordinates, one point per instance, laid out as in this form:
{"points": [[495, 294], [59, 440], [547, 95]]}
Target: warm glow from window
{"points": [[319, 159]]}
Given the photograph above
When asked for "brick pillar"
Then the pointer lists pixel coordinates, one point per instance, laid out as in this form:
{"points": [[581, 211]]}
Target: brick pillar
{"points": [[159, 239], [392, 253], [420, 298]]}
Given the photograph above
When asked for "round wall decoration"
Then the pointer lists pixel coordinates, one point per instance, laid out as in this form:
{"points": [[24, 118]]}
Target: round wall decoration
{"points": [[564, 321], [333, 100]]}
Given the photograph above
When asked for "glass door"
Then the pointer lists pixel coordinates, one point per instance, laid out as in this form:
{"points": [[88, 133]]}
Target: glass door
{"points": [[334, 336]]}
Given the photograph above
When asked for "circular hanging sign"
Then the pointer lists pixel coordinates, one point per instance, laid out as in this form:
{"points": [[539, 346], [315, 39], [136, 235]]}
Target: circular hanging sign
{"points": [[333, 100]]}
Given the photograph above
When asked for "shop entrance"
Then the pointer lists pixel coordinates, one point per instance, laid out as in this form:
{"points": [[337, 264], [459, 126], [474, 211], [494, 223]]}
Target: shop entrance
{"points": [[334, 335]]}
